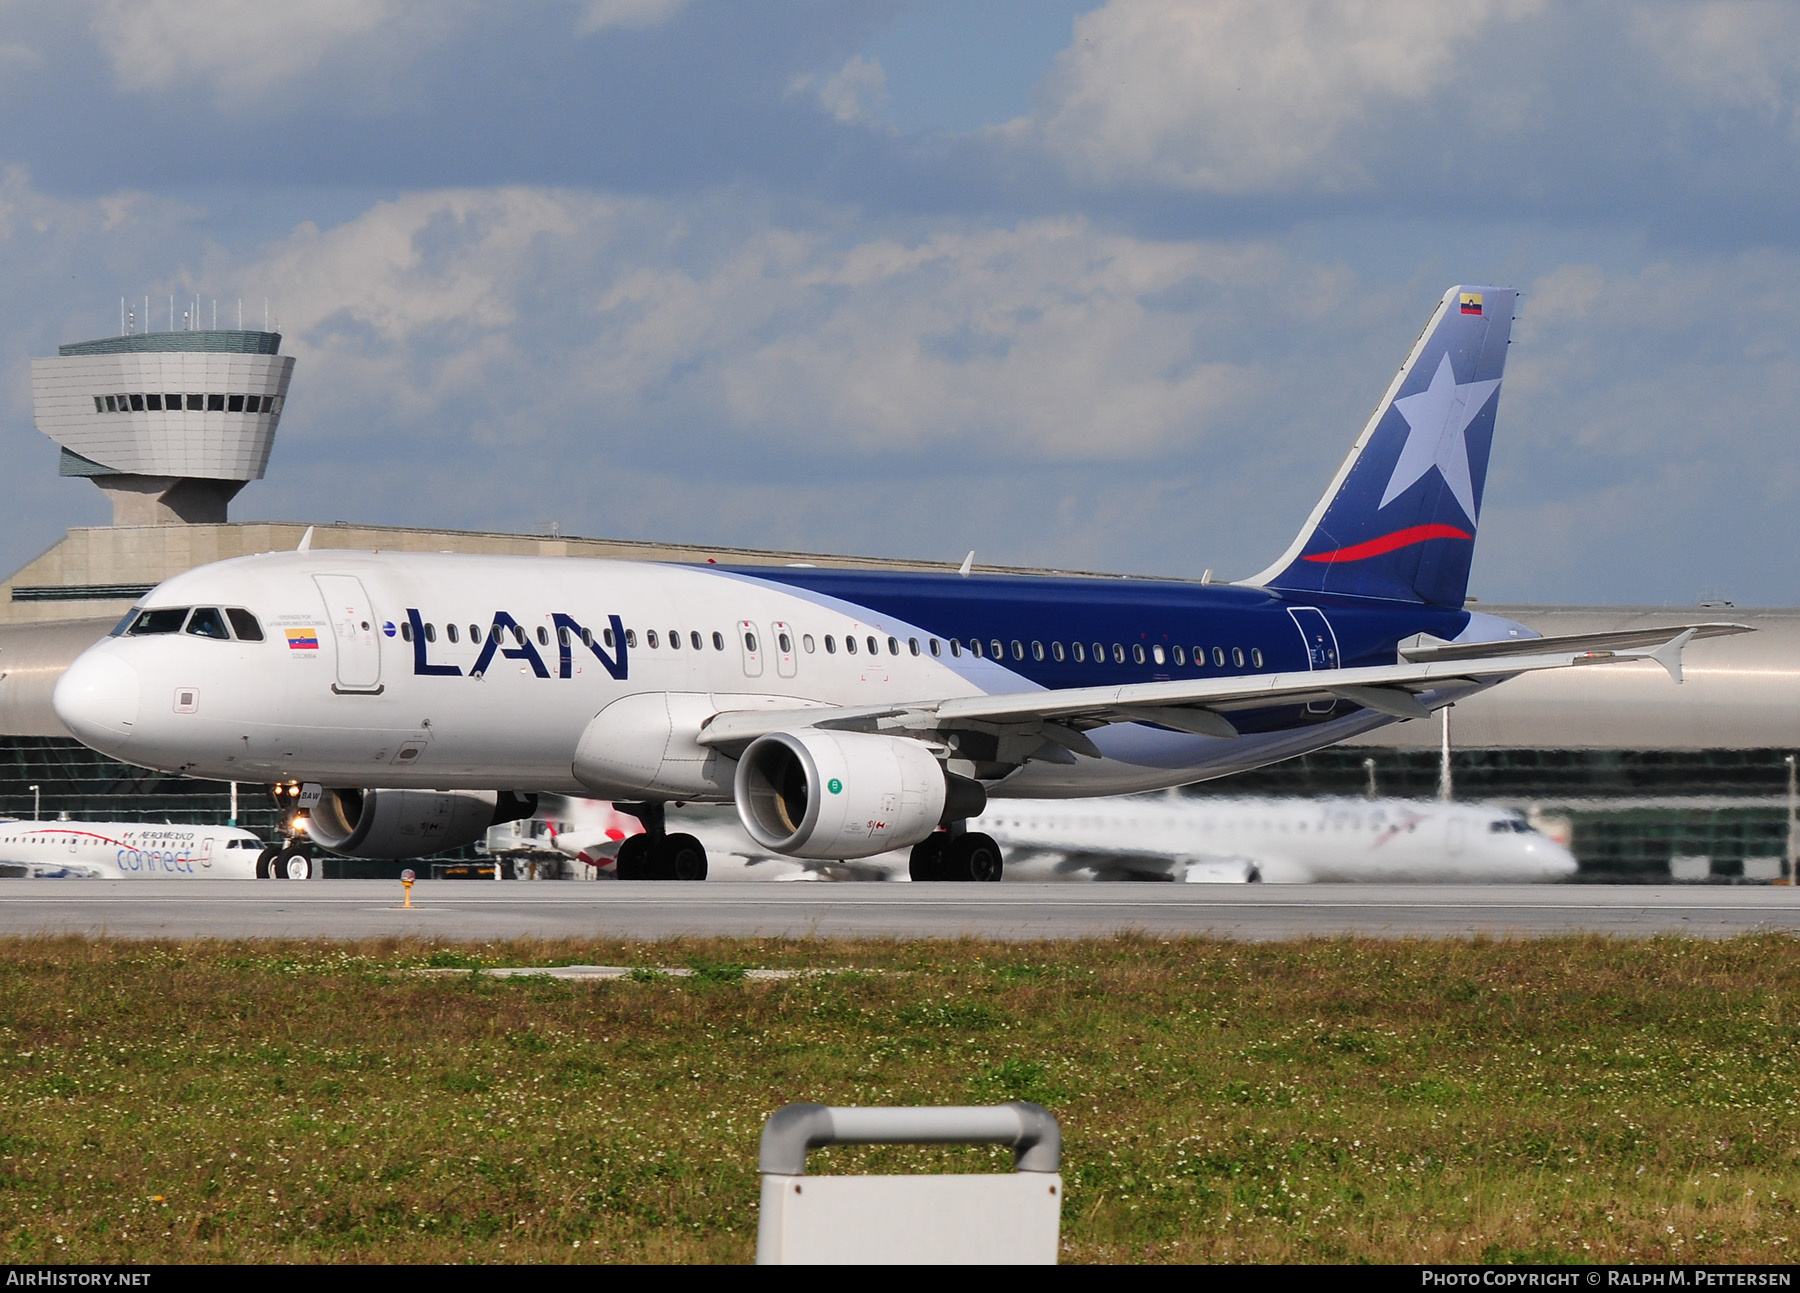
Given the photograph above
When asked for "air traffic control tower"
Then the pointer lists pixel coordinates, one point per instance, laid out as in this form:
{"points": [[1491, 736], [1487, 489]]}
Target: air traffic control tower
{"points": [[171, 425]]}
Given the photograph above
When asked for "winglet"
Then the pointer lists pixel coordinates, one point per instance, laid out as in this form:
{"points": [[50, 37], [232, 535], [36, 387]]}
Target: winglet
{"points": [[1668, 655], [968, 562], [305, 541]]}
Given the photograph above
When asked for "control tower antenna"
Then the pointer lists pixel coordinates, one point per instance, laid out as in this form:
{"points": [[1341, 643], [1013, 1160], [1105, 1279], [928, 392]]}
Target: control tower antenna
{"points": [[169, 425]]}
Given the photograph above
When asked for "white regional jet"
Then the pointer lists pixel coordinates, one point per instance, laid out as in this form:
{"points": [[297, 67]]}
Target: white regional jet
{"points": [[1278, 841], [127, 851], [419, 699], [1166, 837]]}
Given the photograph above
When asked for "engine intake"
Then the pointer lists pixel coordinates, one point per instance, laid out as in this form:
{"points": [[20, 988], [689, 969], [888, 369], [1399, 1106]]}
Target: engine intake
{"points": [[409, 823], [818, 794]]}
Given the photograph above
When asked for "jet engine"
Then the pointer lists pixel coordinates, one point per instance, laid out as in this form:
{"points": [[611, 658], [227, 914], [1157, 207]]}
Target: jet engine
{"points": [[409, 823], [820, 794]]}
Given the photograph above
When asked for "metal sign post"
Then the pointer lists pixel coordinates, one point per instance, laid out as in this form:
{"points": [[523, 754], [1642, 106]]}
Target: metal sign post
{"points": [[979, 1218]]}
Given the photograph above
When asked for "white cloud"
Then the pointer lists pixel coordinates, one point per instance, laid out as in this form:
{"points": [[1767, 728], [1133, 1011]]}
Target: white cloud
{"points": [[630, 15], [857, 91], [1232, 96], [239, 47], [1743, 53]]}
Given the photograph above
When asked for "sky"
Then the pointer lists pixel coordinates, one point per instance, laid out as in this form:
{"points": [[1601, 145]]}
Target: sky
{"points": [[1104, 286]]}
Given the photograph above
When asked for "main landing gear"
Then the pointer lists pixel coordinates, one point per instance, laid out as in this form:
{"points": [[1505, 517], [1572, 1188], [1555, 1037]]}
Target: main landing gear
{"points": [[964, 855], [294, 862], [657, 855]]}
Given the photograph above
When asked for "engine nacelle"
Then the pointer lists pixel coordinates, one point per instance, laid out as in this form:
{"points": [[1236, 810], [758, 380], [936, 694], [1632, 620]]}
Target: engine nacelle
{"points": [[818, 794], [409, 823]]}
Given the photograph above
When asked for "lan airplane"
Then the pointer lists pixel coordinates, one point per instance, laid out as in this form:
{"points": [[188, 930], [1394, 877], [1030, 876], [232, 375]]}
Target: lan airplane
{"points": [[129, 851], [416, 699]]}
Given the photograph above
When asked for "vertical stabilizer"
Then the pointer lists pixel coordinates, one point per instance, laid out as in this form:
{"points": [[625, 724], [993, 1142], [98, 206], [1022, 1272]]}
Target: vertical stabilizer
{"points": [[1399, 518]]}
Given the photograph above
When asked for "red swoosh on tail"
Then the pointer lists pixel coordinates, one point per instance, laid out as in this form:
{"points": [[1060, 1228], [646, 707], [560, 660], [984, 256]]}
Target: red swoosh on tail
{"points": [[1391, 542]]}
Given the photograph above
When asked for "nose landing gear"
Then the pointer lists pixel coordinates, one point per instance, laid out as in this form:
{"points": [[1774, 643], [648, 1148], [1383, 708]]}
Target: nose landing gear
{"points": [[295, 862]]}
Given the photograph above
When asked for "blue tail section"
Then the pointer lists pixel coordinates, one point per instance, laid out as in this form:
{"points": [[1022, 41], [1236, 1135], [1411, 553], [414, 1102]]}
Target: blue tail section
{"points": [[1399, 519]]}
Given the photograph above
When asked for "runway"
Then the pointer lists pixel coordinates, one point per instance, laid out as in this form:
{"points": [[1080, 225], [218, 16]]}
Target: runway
{"points": [[477, 910]]}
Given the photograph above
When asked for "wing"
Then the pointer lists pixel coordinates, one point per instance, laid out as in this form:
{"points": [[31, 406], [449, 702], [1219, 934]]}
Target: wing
{"points": [[1052, 724]]}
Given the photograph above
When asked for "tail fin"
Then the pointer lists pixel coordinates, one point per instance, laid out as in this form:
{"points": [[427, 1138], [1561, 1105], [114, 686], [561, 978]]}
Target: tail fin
{"points": [[1399, 518]]}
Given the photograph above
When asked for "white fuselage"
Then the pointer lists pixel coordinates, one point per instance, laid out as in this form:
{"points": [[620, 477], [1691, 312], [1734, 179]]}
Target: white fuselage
{"points": [[1200, 840], [335, 693], [1278, 841], [129, 850]]}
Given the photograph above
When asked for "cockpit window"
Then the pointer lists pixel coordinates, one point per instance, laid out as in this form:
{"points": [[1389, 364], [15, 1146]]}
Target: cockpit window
{"points": [[161, 620], [244, 624], [124, 625], [206, 622]]}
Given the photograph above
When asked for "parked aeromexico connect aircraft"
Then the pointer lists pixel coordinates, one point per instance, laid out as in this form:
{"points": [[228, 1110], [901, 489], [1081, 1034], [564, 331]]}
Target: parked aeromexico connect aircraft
{"points": [[130, 850], [1169, 837], [420, 698]]}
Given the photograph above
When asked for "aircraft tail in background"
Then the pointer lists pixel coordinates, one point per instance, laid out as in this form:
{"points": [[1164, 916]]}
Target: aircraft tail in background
{"points": [[1398, 521]]}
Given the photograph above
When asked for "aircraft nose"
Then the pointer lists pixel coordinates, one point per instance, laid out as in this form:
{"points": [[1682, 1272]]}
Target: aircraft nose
{"points": [[97, 699]]}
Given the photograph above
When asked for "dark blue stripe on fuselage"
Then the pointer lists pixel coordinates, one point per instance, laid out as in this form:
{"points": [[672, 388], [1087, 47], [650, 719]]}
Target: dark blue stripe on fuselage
{"points": [[1129, 612]]}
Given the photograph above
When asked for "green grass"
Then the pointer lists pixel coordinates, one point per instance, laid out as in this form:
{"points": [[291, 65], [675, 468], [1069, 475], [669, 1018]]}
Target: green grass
{"points": [[1557, 1100]]}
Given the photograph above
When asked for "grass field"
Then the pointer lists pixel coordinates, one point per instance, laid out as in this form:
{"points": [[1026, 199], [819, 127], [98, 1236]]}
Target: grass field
{"points": [[1322, 1101]]}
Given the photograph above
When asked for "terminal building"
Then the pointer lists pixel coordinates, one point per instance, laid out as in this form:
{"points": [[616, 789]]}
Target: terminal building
{"points": [[1649, 779]]}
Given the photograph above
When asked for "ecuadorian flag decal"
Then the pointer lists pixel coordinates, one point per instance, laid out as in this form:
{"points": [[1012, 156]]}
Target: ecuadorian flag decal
{"points": [[303, 639], [1471, 302]]}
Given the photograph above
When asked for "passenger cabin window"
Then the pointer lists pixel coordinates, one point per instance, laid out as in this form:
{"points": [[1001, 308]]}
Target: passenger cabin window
{"points": [[874, 647], [1157, 654], [1180, 656], [162, 620], [1137, 653], [1256, 657], [451, 632], [894, 647], [630, 639], [806, 641], [206, 622], [998, 650], [975, 646], [936, 647], [431, 632], [674, 639], [750, 643], [1237, 656], [406, 632], [543, 636], [1219, 656], [475, 634], [694, 640], [719, 642], [830, 645], [782, 640], [912, 644], [850, 643], [1018, 649], [1118, 654], [955, 649], [650, 638], [1056, 651], [1078, 651]]}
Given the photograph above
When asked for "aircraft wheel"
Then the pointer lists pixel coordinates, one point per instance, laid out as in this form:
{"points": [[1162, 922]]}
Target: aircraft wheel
{"points": [[927, 861], [295, 864], [634, 859], [974, 856], [683, 858], [265, 863]]}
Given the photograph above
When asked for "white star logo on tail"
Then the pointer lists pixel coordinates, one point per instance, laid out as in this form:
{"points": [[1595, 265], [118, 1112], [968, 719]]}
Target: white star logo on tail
{"points": [[1436, 418]]}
